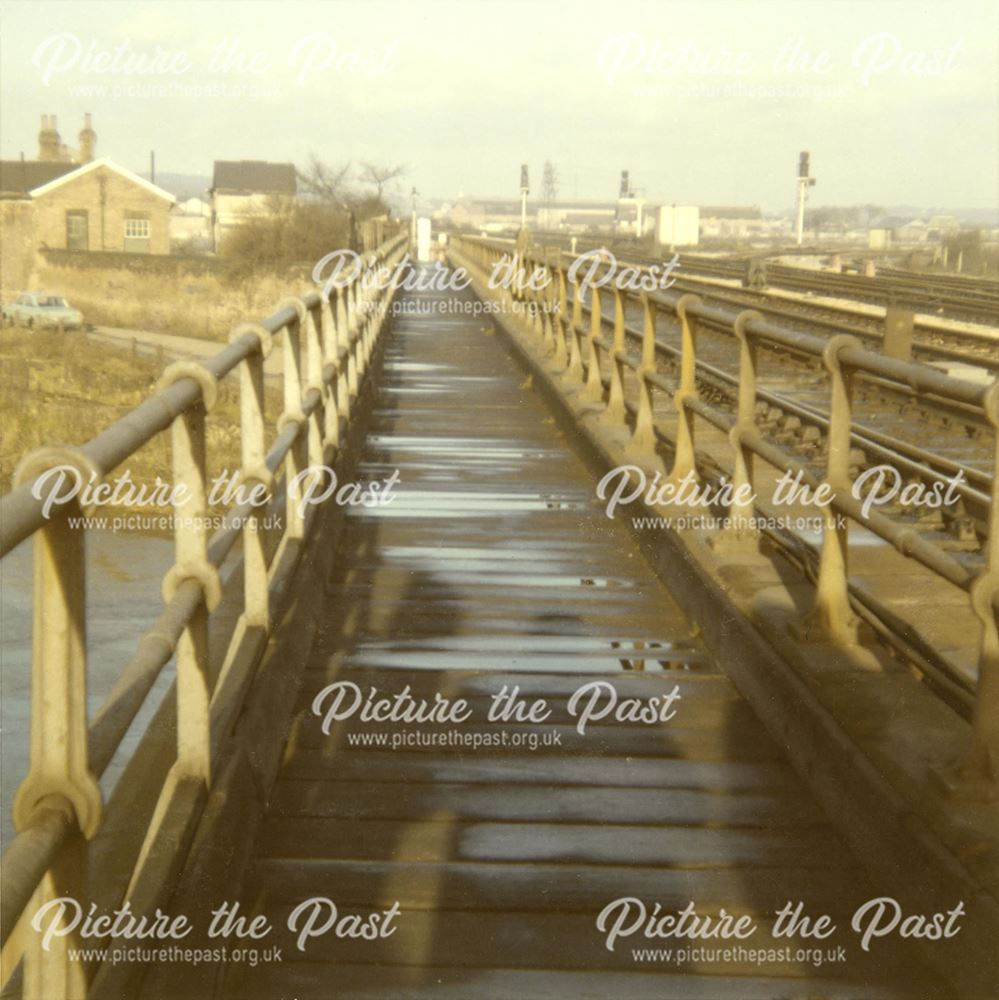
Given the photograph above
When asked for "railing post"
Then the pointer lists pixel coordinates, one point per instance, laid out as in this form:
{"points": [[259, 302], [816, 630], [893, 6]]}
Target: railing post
{"points": [[832, 612], [256, 611], [560, 316], [980, 766], [742, 531], [59, 776], [575, 370], [330, 376], [594, 383], [58, 756], [314, 380], [360, 326], [643, 439], [194, 679], [540, 297], [342, 353], [307, 366], [295, 461], [685, 462], [353, 375], [615, 398], [363, 306]]}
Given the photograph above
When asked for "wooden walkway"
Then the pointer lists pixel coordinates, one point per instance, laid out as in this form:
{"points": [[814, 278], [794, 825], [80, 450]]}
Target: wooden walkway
{"points": [[495, 566]]}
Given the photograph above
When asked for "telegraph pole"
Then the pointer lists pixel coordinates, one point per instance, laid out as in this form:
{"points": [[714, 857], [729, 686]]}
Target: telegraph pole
{"points": [[525, 190]]}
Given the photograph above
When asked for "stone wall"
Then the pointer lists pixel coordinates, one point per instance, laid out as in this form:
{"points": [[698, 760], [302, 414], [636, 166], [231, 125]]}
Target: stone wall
{"points": [[16, 246]]}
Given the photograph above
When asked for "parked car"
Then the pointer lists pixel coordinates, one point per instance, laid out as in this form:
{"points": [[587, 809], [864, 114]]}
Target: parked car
{"points": [[40, 309]]}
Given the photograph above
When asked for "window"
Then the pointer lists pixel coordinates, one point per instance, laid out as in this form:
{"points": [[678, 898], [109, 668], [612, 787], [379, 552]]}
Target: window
{"points": [[77, 237], [137, 229], [136, 234]]}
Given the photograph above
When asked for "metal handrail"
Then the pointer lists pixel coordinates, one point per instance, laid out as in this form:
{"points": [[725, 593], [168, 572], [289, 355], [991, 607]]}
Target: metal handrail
{"points": [[583, 355], [328, 344]]}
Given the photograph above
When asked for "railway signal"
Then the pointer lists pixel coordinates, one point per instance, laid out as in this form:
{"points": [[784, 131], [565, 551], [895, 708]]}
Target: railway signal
{"points": [[804, 182]]}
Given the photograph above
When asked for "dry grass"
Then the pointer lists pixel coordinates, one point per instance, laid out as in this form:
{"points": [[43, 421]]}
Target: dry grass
{"points": [[186, 305], [65, 389]]}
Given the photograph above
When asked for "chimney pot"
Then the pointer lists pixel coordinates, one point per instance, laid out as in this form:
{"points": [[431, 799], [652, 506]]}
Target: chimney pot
{"points": [[88, 139]]}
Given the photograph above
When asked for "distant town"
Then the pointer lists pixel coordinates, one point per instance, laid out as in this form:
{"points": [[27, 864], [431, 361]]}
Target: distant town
{"points": [[72, 198]]}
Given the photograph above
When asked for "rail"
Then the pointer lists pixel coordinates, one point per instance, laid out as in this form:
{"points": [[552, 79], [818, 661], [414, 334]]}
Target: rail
{"points": [[327, 344], [598, 368]]}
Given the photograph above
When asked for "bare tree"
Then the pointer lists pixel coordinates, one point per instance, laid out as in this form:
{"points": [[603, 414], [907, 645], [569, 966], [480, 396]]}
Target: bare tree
{"points": [[380, 175], [328, 183]]}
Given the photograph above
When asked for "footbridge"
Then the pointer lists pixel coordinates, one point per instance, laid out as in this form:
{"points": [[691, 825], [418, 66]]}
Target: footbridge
{"points": [[614, 685]]}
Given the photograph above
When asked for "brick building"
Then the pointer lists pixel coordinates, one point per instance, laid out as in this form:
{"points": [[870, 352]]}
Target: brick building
{"points": [[17, 216], [102, 206]]}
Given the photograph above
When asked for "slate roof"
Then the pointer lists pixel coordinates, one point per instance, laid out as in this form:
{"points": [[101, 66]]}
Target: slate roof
{"points": [[254, 177], [18, 177]]}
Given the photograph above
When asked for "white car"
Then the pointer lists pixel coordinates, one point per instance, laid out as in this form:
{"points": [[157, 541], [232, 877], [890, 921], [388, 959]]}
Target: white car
{"points": [[41, 309]]}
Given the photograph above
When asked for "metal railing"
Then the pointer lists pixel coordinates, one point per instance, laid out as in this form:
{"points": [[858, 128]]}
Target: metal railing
{"points": [[601, 369], [327, 345]]}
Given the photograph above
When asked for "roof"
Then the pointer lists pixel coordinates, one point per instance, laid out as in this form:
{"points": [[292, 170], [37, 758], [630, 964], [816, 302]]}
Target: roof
{"points": [[104, 161], [19, 177], [254, 177]]}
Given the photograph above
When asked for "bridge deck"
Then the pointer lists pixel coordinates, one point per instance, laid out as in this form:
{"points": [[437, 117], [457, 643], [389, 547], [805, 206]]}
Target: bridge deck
{"points": [[494, 566]]}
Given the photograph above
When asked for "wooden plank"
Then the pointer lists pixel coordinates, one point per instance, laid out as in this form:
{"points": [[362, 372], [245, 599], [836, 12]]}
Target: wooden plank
{"points": [[665, 740], [533, 683], [543, 643], [380, 840], [525, 660], [405, 802], [551, 887], [624, 772], [571, 942], [728, 716], [300, 979]]}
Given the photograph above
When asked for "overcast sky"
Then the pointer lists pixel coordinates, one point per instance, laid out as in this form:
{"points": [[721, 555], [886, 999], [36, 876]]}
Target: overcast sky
{"points": [[707, 102]]}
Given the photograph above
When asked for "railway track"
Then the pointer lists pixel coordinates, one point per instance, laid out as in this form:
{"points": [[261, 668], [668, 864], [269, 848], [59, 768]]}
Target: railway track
{"points": [[930, 440], [978, 305], [932, 443], [795, 417], [932, 342], [929, 432], [932, 346]]}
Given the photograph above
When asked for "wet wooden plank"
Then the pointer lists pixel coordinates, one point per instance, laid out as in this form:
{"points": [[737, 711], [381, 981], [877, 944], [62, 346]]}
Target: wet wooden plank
{"points": [[404, 802], [623, 772], [571, 942], [515, 887], [666, 740], [536, 683], [571, 843], [301, 979]]}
